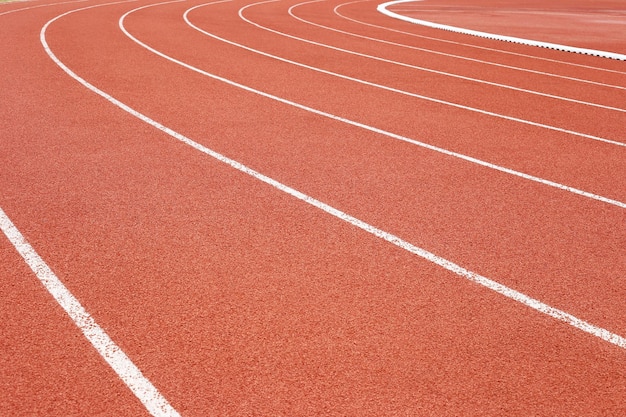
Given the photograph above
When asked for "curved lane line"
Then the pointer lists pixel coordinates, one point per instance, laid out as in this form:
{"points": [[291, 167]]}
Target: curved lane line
{"points": [[394, 90], [502, 51], [534, 304], [476, 80], [371, 128], [123, 366], [361, 125], [382, 8]]}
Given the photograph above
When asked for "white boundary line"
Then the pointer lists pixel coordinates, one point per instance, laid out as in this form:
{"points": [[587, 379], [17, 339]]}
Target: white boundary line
{"points": [[143, 389], [382, 8], [484, 48], [395, 90], [534, 304], [448, 74]]}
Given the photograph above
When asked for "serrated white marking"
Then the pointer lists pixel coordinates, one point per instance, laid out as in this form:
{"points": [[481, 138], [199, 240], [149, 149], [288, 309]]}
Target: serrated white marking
{"points": [[585, 51]]}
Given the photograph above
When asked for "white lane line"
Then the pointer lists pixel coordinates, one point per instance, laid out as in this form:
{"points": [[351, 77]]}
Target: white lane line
{"points": [[534, 304], [364, 126], [484, 48], [395, 90], [447, 74], [382, 8], [40, 5], [151, 398]]}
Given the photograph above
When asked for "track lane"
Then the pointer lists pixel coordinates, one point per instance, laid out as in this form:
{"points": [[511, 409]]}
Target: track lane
{"points": [[330, 210], [48, 367], [280, 360]]}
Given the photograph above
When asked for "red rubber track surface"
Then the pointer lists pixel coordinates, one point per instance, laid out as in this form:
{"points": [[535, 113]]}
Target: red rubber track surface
{"points": [[234, 298]]}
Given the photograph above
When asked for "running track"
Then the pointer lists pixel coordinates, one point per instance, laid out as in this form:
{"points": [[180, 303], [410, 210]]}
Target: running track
{"points": [[306, 210]]}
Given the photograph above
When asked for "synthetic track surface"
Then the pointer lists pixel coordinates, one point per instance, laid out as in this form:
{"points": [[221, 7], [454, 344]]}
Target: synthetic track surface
{"points": [[235, 298]]}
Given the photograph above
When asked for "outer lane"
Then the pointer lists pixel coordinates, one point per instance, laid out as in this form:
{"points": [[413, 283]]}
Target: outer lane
{"points": [[264, 342], [47, 366]]}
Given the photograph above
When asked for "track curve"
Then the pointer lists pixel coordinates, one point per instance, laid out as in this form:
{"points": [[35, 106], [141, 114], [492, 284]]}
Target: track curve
{"points": [[232, 296]]}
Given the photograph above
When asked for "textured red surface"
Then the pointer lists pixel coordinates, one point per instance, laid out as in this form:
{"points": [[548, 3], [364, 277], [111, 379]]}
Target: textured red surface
{"points": [[584, 24], [47, 367], [236, 299]]}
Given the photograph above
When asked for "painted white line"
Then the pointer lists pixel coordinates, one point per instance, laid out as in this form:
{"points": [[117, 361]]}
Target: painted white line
{"points": [[484, 48], [40, 5], [447, 74], [151, 398], [394, 90], [604, 54], [510, 293], [364, 126]]}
